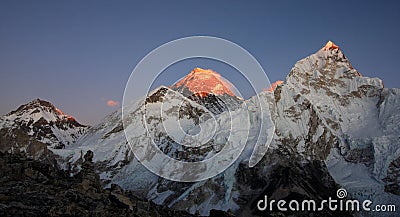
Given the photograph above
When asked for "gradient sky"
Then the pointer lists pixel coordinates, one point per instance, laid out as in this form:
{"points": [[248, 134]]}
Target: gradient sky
{"points": [[79, 54]]}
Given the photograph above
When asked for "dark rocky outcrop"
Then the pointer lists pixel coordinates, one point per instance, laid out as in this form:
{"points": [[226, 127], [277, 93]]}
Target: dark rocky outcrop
{"points": [[31, 187], [392, 181]]}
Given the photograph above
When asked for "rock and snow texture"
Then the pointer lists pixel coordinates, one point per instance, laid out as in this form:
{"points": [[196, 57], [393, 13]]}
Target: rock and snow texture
{"points": [[333, 128], [362, 115], [42, 122]]}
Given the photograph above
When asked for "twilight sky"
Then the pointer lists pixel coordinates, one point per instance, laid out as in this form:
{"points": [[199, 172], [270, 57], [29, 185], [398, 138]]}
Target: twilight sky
{"points": [[79, 54]]}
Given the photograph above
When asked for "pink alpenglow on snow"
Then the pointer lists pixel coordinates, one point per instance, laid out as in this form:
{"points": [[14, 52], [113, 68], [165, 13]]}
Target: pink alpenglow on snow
{"points": [[274, 85], [330, 46], [205, 81]]}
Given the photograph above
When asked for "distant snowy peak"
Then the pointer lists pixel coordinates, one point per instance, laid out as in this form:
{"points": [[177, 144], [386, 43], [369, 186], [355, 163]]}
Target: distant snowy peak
{"points": [[44, 122], [209, 89], [203, 82], [37, 109]]}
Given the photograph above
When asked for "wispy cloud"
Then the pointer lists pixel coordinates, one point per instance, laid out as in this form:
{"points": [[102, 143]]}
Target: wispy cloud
{"points": [[112, 103]]}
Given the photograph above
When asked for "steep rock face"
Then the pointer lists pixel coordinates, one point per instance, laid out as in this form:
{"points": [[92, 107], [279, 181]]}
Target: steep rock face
{"points": [[360, 114], [329, 121], [337, 90], [38, 122], [392, 181]]}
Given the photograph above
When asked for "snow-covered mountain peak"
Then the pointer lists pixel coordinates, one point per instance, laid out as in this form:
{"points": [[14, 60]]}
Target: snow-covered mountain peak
{"points": [[209, 89], [330, 46], [38, 109], [203, 82], [44, 122], [329, 69]]}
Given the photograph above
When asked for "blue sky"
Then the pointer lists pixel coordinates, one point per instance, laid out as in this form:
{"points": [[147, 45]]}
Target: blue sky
{"points": [[79, 54]]}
